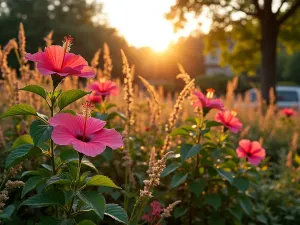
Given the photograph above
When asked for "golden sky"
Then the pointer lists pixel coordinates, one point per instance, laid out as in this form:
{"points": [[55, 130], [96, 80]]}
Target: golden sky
{"points": [[143, 24]]}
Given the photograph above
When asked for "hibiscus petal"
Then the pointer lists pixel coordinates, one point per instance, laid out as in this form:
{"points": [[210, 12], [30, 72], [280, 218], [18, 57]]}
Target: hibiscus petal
{"points": [[55, 56], [36, 57], [109, 137], [68, 121], [245, 144], [255, 160], [87, 72], [44, 69], [241, 152], [62, 136], [93, 125], [88, 148]]}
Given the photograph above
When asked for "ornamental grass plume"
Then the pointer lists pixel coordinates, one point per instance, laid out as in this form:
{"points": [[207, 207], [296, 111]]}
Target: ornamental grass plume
{"points": [[128, 89], [167, 211], [57, 60], [175, 113], [48, 39], [108, 66], [155, 104], [22, 44], [12, 44], [293, 150], [95, 59], [86, 134], [154, 171], [251, 150]]}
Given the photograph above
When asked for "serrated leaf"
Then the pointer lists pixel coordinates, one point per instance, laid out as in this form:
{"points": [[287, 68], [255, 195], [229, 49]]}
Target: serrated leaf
{"points": [[24, 139], [262, 218], [68, 97], [69, 111], [36, 89], [169, 169], [193, 151], [197, 187], [241, 183], [226, 175], [7, 212], [44, 199], [94, 200], [100, 180], [180, 211], [20, 110], [107, 154], [56, 221], [184, 149], [40, 132], [117, 213], [30, 184], [21, 153], [178, 179], [214, 200], [213, 124], [86, 222], [62, 178]]}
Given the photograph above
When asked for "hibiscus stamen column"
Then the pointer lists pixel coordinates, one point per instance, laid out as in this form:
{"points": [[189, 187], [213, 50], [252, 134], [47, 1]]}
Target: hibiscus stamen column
{"points": [[86, 113]]}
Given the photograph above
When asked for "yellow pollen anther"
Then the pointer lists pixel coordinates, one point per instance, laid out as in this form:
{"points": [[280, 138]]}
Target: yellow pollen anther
{"points": [[102, 79], [210, 93], [233, 112]]}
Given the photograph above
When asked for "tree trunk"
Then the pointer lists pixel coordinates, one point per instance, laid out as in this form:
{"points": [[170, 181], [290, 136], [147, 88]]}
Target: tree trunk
{"points": [[269, 31]]}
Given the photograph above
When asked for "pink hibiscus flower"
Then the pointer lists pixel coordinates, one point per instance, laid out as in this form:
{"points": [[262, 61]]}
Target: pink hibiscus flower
{"points": [[56, 60], [86, 134], [102, 89], [251, 150], [288, 112], [207, 102], [229, 120]]}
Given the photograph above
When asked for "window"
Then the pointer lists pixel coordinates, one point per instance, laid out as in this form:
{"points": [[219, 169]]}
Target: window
{"points": [[287, 96]]}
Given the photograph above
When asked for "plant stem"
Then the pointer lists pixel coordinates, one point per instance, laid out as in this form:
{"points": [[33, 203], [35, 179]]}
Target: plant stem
{"points": [[80, 156]]}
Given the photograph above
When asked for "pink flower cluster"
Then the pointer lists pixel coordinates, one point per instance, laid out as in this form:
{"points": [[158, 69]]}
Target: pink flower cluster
{"points": [[153, 216], [101, 90], [247, 149], [288, 112]]}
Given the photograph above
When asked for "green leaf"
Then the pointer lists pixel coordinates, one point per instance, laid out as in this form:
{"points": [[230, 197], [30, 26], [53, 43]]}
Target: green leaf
{"points": [[117, 213], [180, 131], [169, 169], [36, 89], [24, 139], [213, 124], [7, 212], [68, 97], [44, 199], [30, 172], [21, 153], [262, 218], [100, 180], [184, 149], [193, 151], [62, 178], [226, 175], [94, 200], [86, 222], [241, 183], [197, 187], [214, 200], [40, 132], [19, 110], [107, 154], [30, 184], [245, 204], [178, 179]]}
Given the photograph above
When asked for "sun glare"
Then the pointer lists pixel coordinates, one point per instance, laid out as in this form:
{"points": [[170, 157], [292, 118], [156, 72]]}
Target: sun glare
{"points": [[143, 24]]}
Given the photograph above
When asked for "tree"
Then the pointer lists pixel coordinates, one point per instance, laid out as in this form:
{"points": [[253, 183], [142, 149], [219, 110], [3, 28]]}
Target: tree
{"points": [[248, 32]]}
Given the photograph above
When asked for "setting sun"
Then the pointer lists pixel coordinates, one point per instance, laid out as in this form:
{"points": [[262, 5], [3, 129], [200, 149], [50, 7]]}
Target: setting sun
{"points": [[143, 23]]}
